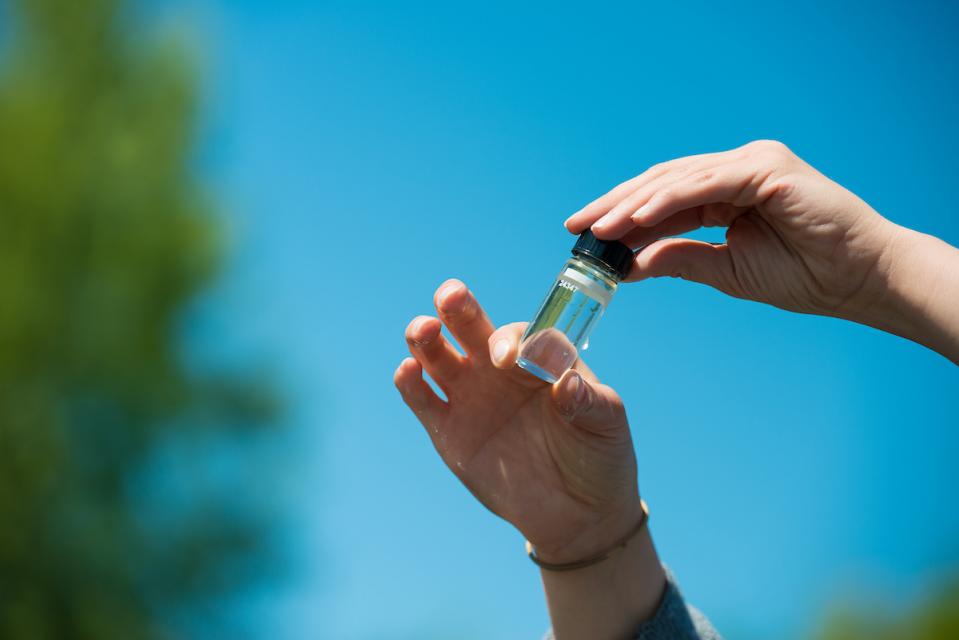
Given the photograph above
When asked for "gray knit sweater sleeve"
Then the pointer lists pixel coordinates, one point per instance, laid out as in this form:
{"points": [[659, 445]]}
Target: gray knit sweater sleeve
{"points": [[674, 620]]}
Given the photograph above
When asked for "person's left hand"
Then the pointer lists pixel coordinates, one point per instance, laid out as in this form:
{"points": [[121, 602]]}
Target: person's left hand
{"points": [[557, 461]]}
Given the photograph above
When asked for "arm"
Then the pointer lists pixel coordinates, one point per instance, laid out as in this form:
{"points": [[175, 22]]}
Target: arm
{"points": [[610, 599], [556, 461], [920, 299], [794, 239]]}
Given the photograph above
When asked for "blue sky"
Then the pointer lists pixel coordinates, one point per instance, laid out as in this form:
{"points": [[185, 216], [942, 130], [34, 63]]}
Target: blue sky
{"points": [[365, 152]]}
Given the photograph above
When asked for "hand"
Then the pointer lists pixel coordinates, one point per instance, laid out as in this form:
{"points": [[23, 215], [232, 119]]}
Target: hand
{"points": [[556, 461], [795, 239]]}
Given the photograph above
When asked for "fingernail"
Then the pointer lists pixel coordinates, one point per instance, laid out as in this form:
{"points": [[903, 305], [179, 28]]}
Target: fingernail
{"points": [[602, 222], [575, 391], [444, 294], [500, 351], [416, 332], [580, 392], [447, 290]]}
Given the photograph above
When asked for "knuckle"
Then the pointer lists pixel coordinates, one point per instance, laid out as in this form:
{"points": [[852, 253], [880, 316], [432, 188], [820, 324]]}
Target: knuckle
{"points": [[664, 195], [629, 203], [616, 409], [659, 167], [676, 166], [770, 149], [617, 191], [782, 186], [704, 176], [654, 171]]}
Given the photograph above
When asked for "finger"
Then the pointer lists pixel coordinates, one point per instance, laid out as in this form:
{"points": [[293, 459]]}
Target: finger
{"points": [[739, 183], [590, 406], [618, 221], [690, 260], [464, 317], [504, 344], [682, 222], [585, 217], [717, 214], [433, 351], [418, 395], [582, 219]]}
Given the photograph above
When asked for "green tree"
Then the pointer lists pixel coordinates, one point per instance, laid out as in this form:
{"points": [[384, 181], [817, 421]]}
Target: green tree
{"points": [[105, 236], [935, 618]]}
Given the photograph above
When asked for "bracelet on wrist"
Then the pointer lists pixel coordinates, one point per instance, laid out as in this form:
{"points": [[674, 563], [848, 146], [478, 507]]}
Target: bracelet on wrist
{"points": [[595, 559]]}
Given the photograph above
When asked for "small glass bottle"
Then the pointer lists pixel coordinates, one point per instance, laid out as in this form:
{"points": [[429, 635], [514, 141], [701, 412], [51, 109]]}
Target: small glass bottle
{"points": [[573, 306]]}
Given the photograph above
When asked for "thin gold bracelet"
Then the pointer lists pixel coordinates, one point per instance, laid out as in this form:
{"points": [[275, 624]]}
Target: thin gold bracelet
{"points": [[579, 564]]}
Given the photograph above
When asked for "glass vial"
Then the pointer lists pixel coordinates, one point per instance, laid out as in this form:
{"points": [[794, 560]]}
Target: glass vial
{"points": [[575, 303]]}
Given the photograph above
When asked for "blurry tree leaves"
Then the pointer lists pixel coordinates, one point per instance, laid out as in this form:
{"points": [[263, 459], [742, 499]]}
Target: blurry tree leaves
{"points": [[935, 618], [105, 236]]}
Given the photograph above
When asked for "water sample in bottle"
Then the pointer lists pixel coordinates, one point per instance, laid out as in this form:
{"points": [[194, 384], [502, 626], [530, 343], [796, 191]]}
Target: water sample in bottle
{"points": [[573, 306]]}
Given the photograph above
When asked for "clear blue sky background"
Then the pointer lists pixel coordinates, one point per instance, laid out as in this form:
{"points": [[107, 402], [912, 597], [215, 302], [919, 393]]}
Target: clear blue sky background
{"points": [[367, 152]]}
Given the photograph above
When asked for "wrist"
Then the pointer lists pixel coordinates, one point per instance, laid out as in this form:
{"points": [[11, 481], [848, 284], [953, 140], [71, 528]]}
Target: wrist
{"points": [[918, 297], [609, 599], [592, 536]]}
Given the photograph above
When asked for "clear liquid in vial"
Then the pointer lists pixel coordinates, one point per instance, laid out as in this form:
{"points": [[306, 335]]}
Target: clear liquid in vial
{"points": [[561, 328]]}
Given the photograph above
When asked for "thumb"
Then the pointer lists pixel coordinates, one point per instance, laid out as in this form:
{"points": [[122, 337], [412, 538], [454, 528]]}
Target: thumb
{"points": [[691, 260], [590, 406]]}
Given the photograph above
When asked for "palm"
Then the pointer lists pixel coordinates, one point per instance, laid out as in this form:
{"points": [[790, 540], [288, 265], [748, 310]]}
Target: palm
{"points": [[510, 446]]}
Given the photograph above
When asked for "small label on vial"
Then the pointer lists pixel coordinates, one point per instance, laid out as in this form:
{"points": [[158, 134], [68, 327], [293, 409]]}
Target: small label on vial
{"points": [[573, 280]]}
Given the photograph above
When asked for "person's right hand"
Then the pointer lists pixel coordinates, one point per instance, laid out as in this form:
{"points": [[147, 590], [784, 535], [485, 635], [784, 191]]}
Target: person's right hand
{"points": [[795, 238]]}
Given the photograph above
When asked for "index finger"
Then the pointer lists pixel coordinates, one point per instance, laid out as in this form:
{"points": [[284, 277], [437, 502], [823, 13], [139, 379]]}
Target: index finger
{"points": [[740, 184], [585, 217], [464, 317]]}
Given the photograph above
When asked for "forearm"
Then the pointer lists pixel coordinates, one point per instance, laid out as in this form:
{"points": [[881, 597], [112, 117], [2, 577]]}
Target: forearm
{"points": [[920, 296], [608, 600]]}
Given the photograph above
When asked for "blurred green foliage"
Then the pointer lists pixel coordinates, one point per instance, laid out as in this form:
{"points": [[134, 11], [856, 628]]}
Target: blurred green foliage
{"points": [[105, 235], [935, 618]]}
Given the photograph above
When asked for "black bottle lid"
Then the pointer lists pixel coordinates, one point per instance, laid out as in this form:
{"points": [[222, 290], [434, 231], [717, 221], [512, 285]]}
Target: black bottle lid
{"points": [[615, 255]]}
